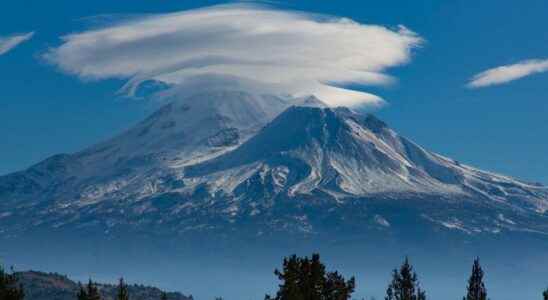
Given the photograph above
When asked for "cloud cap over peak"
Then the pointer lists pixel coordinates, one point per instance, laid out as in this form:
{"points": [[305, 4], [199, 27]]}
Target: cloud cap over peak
{"points": [[8, 43], [299, 52], [505, 74]]}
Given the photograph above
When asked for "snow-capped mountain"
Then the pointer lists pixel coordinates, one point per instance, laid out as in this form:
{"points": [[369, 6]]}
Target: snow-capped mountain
{"points": [[259, 165]]}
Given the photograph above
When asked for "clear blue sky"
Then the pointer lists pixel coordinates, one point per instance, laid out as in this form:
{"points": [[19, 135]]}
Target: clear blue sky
{"points": [[501, 128]]}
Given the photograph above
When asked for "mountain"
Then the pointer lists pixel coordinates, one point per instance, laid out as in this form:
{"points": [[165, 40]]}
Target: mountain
{"points": [[230, 181], [217, 154], [48, 286]]}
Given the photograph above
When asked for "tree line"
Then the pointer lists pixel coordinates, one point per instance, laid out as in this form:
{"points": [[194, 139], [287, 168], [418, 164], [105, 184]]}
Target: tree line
{"points": [[307, 279], [91, 292], [301, 278]]}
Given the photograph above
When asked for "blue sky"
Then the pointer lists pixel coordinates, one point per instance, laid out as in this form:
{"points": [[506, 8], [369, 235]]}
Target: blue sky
{"points": [[500, 128]]}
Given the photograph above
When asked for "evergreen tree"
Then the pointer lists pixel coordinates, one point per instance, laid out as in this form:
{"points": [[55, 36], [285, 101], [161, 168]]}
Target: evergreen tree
{"points": [[9, 289], [289, 276], [404, 284], [123, 293], [545, 294], [476, 288], [164, 296], [337, 288], [306, 279], [92, 292], [82, 294]]}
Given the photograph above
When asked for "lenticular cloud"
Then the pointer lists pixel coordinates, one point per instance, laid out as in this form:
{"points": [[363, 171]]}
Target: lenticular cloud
{"points": [[299, 53], [508, 73]]}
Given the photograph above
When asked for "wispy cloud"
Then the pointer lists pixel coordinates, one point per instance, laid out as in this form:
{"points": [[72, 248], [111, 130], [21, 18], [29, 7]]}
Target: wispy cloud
{"points": [[504, 74], [7, 43], [298, 52]]}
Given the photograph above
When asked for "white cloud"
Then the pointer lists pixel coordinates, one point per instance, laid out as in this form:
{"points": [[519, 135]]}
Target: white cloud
{"points": [[504, 74], [7, 43], [297, 52]]}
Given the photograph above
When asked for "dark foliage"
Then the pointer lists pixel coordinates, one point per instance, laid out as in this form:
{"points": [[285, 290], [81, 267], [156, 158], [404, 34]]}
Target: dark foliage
{"points": [[82, 294], [9, 287], [91, 292], [122, 293], [404, 284], [306, 279], [476, 288]]}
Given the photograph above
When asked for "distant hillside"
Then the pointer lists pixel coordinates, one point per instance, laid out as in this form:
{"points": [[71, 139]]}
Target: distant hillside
{"points": [[51, 286]]}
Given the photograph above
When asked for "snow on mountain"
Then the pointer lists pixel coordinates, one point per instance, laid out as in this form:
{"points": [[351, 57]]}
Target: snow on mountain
{"points": [[186, 130], [353, 155], [235, 161]]}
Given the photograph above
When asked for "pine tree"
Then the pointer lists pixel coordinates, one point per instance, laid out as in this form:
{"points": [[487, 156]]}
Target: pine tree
{"points": [[476, 288], [9, 290], [404, 284], [545, 294], [306, 279], [82, 294], [289, 276], [123, 293], [92, 291], [337, 288], [164, 296]]}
